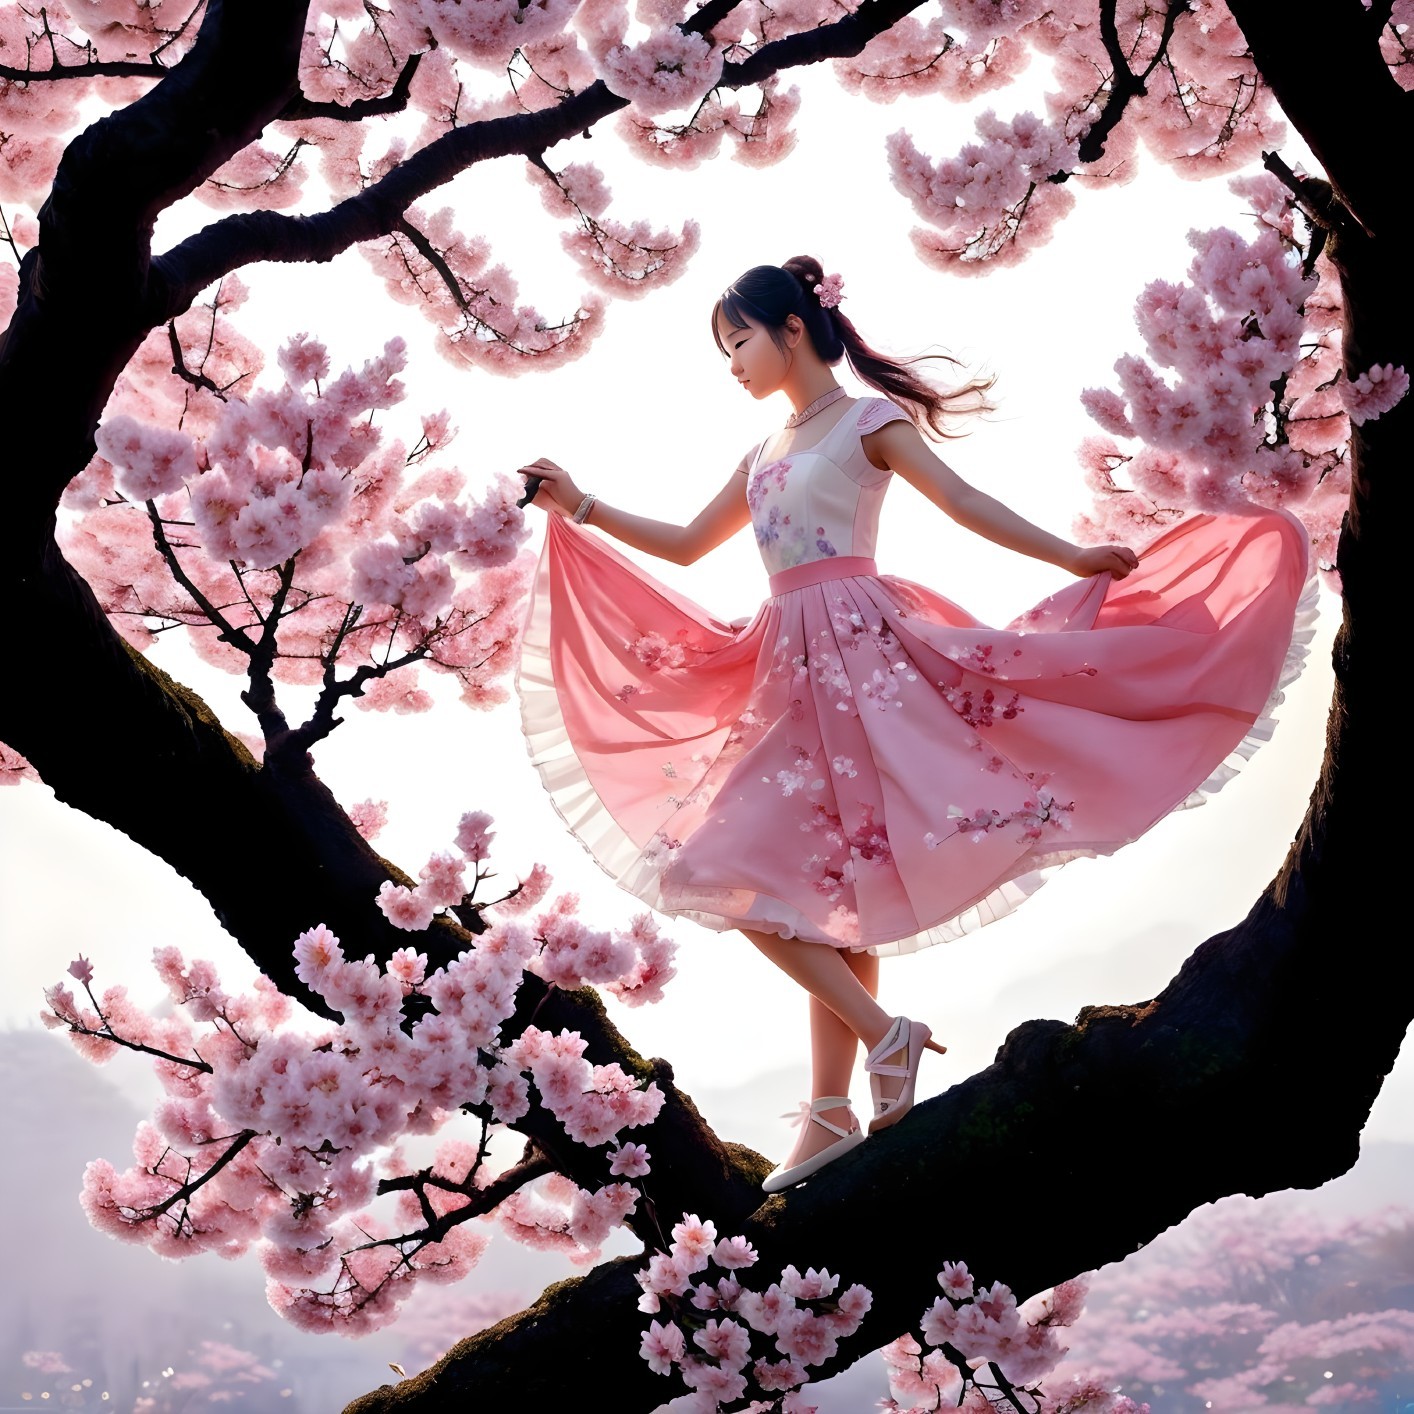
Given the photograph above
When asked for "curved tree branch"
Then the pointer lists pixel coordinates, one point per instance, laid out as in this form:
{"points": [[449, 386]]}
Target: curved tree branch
{"points": [[1124, 83], [237, 240]]}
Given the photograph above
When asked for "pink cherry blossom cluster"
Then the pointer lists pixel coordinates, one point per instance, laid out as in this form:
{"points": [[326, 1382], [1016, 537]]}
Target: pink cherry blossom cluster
{"points": [[712, 1337], [271, 1136], [1397, 42], [443, 882], [749, 26], [368, 817], [431, 263], [633, 966], [34, 116], [1002, 196], [671, 72], [915, 56], [1374, 392], [256, 174], [1241, 396], [593, 1103], [286, 536], [623, 260], [990, 1353], [994, 201], [556, 1215], [488, 34], [761, 136], [668, 70]]}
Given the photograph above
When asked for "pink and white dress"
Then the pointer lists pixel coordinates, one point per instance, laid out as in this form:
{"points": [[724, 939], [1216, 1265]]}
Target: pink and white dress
{"points": [[865, 764]]}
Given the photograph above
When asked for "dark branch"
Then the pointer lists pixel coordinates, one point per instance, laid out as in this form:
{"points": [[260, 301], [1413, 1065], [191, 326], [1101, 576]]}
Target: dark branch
{"points": [[230, 633], [240, 239], [1125, 85], [141, 1047], [444, 272], [480, 1201], [185, 1190], [179, 365], [92, 69]]}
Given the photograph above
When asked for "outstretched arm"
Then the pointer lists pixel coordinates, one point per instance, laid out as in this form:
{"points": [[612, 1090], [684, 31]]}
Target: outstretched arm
{"points": [[898, 447], [723, 516]]}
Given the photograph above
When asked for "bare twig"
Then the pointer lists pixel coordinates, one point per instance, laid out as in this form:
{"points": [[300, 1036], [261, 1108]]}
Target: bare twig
{"points": [[230, 633]]}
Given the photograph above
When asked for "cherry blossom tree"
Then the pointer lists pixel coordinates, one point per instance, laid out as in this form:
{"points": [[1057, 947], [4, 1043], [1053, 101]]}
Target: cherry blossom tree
{"points": [[174, 483]]}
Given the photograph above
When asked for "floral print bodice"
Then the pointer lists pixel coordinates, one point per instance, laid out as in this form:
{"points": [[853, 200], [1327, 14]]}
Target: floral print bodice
{"points": [[823, 500]]}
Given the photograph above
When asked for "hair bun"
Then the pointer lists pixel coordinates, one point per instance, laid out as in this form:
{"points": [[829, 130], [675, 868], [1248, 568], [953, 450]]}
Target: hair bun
{"points": [[806, 269]]}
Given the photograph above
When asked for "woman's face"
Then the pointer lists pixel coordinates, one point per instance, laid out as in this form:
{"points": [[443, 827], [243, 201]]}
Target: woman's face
{"points": [[756, 362]]}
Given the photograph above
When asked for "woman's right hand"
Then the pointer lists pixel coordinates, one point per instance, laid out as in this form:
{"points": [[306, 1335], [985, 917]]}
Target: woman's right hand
{"points": [[558, 493]]}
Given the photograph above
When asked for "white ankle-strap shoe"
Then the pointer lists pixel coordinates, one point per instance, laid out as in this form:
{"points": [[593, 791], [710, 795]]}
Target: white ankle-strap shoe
{"points": [[780, 1178], [909, 1038]]}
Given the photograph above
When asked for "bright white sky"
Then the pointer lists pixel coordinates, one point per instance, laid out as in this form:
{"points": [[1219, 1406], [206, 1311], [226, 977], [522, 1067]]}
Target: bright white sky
{"points": [[650, 419]]}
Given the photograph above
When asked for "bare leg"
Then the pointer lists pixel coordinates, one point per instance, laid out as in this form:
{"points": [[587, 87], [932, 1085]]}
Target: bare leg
{"points": [[833, 1045], [826, 973], [842, 986]]}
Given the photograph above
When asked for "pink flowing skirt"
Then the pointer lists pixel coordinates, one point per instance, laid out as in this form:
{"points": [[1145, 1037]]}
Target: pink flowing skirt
{"points": [[866, 765]]}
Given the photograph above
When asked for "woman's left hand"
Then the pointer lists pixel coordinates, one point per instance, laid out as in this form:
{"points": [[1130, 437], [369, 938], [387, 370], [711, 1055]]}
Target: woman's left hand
{"points": [[1096, 559], [555, 490]]}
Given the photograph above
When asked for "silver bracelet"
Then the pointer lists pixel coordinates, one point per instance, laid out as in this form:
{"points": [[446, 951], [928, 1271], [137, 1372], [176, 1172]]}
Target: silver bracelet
{"points": [[585, 506]]}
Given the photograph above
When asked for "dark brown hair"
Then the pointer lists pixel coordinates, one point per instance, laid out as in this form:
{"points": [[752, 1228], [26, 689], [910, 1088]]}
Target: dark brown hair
{"points": [[770, 294]]}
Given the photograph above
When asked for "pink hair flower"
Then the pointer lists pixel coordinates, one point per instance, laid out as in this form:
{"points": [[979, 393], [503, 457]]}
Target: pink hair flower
{"points": [[829, 291]]}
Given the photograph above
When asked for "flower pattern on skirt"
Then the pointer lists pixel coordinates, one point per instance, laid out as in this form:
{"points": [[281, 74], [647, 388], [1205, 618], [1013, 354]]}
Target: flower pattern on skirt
{"points": [[864, 764]]}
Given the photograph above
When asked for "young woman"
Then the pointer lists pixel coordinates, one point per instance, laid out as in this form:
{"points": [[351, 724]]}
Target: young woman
{"points": [[864, 767]]}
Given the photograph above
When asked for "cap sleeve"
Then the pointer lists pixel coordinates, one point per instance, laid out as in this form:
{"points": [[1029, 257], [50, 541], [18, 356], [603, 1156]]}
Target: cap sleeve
{"points": [[879, 412], [749, 460]]}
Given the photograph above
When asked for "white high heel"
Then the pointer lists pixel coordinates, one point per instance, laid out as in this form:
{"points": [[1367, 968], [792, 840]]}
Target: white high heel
{"points": [[780, 1178], [911, 1037]]}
